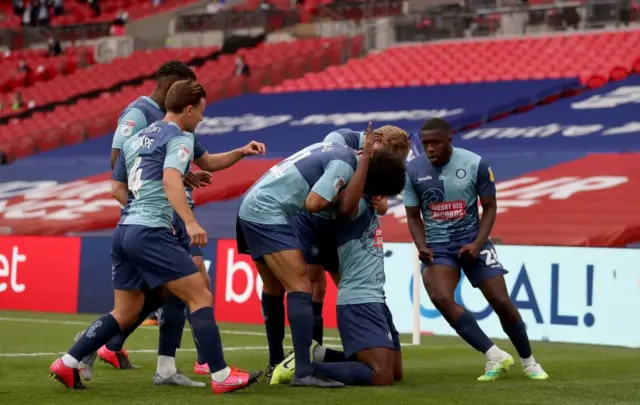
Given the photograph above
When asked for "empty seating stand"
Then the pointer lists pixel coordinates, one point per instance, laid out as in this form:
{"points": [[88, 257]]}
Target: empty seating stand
{"points": [[595, 58]]}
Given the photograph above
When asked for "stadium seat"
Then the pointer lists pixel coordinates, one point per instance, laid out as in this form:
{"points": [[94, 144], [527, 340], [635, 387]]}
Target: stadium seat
{"points": [[596, 58], [92, 117], [78, 13]]}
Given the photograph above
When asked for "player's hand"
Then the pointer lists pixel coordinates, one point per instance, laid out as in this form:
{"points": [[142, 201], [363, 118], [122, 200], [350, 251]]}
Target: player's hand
{"points": [[380, 204], [203, 178], [253, 148], [469, 252], [197, 234], [371, 141], [190, 180], [425, 255]]}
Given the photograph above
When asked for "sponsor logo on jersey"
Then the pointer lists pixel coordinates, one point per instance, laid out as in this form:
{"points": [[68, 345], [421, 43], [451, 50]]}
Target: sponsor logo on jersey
{"points": [[448, 210]]}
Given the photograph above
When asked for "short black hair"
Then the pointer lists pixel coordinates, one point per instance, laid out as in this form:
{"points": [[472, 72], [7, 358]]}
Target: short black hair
{"points": [[436, 124], [177, 69], [386, 174]]}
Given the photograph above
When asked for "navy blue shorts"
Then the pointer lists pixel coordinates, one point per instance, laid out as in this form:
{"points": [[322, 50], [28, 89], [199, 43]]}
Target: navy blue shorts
{"points": [[144, 257], [259, 239], [183, 237], [366, 326], [485, 266], [317, 240]]}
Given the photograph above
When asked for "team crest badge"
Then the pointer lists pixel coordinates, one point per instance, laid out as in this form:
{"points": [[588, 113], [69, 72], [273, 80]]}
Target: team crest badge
{"points": [[184, 153], [126, 128]]}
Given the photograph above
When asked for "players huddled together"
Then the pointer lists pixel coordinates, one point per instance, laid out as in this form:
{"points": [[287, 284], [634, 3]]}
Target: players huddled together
{"points": [[317, 210]]}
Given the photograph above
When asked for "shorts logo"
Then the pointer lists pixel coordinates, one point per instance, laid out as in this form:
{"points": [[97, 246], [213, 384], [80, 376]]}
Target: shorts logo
{"points": [[338, 184], [126, 128], [184, 153], [461, 173], [448, 210]]}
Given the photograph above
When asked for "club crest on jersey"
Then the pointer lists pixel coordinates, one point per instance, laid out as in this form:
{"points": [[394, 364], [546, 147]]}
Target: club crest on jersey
{"points": [[338, 184], [184, 153], [126, 128], [461, 173]]}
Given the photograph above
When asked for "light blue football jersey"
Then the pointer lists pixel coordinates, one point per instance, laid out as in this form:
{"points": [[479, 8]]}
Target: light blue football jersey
{"points": [[323, 168], [141, 164], [448, 195], [361, 256]]}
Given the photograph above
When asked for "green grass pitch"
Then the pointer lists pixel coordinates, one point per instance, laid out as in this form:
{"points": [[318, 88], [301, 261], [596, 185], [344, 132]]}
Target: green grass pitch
{"points": [[442, 370]]}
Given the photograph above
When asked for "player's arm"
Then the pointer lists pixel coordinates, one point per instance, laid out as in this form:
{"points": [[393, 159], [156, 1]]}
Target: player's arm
{"points": [[414, 217], [220, 161], [131, 122], [119, 187], [176, 163], [486, 190], [355, 186], [327, 189]]}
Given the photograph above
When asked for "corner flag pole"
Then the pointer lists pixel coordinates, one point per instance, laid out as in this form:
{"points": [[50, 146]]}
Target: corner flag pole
{"points": [[417, 282]]}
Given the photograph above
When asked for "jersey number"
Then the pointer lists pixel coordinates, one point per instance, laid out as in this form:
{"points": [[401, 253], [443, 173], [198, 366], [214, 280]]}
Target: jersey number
{"points": [[279, 169], [135, 178], [490, 256]]}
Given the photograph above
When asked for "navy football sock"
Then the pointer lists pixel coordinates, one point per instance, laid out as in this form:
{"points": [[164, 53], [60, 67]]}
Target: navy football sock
{"points": [[273, 313], [301, 323], [333, 356], [317, 321], [171, 325], [152, 301], [96, 335], [201, 359], [468, 329], [348, 372], [207, 334], [518, 335]]}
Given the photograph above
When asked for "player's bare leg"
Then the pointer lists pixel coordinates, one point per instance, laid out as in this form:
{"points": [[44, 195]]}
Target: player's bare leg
{"points": [[440, 282], [289, 268], [201, 367], [193, 291], [273, 313], [318, 291], [495, 291], [127, 307], [398, 369]]}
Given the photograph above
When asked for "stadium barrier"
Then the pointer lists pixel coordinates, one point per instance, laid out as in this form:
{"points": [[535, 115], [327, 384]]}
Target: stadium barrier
{"points": [[564, 294]]}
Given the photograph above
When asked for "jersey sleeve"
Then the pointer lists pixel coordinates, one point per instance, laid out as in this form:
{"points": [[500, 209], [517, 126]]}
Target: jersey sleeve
{"points": [[336, 175], [363, 206], [179, 153], [119, 172], [486, 182], [409, 195], [344, 137], [131, 122]]}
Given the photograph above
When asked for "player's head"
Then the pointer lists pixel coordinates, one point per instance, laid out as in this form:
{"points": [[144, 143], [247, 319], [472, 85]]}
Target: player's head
{"points": [[394, 139], [186, 101], [172, 71], [436, 140], [386, 174]]}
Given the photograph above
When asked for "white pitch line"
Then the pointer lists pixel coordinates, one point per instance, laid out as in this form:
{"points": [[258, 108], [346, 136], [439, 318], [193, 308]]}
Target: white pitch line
{"points": [[78, 323]]}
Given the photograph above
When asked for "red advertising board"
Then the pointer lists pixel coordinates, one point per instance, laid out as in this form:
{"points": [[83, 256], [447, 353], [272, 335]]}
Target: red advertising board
{"points": [[39, 273], [239, 288]]}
